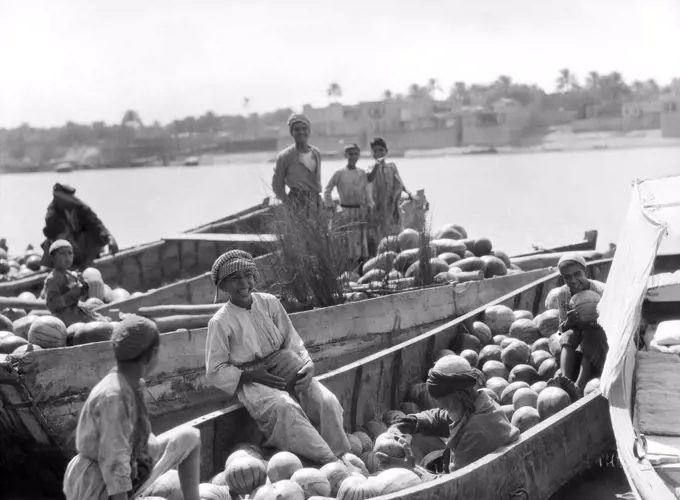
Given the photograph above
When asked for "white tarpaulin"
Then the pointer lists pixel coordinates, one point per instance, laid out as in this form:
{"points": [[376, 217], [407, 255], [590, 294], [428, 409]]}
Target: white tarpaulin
{"points": [[652, 226]]}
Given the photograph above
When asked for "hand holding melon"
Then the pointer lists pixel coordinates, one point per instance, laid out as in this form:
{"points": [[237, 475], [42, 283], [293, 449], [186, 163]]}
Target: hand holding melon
{"points": [[407, 424], [388, 446], [305, 376], [262, 376]]}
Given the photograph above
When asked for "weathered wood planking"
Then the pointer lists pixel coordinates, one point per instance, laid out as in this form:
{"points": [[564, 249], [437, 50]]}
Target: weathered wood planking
{"points": [[545, 458], [335, 336], [154, 264], [227, 238]]}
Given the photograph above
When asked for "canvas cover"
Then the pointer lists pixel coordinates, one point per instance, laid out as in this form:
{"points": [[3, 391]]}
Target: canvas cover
{"points": [[651, 227]]}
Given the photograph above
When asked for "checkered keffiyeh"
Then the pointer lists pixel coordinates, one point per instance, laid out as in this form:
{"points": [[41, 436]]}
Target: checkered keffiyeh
{"points": [[230, 263]]}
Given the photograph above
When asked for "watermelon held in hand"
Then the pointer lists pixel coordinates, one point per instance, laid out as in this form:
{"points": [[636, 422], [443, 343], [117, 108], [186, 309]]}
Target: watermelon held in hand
{"points": [[517, 353], [481, 247], [552, 400], [499, 318], [525, 418], [510, 390], [47, 332], [489, 353], [95, 331], [493, 266], [408, 239], [524, 373], [388, 444], [482, 332], [525, 330], [585, 303], [524, 396]]}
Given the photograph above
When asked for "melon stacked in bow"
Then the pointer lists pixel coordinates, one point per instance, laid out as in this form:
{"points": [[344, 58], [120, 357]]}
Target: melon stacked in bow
{"points": [[453, 258]]}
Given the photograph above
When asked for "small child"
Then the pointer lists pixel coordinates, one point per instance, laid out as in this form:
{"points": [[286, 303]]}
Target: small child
{"points": [[118, 455], [63, 288]]}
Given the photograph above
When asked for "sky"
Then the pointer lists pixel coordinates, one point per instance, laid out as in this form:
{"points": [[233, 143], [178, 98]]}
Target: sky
{"points": [[90, 60]]}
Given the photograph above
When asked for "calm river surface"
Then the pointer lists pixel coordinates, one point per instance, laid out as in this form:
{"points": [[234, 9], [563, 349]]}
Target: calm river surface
{"points": [[515, 200]]}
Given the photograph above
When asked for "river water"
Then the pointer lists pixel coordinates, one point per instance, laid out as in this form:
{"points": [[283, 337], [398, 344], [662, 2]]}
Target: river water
{"points": [[515, 200]]}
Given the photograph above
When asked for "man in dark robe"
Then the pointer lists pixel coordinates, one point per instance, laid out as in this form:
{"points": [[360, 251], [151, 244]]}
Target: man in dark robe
{"points": [[70, 219]]}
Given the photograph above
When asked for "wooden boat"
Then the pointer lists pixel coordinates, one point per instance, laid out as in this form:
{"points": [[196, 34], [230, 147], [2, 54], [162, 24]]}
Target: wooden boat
{"points": [[151, 265], [200, 289], [546, 457], [41, 403], [589, 242], [638, 375]]}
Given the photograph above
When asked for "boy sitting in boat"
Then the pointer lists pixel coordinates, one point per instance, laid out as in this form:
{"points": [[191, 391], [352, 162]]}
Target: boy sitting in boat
{"points": [[581, 337], [473, 423], [254, 353], [118, 455], [356, 200], [63, 289]]}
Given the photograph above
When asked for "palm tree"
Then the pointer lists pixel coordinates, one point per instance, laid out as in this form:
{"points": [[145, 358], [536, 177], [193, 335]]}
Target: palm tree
{"points": [[567, 81], [593, 80], [652, 87], [387, 94], [414, 90], [459, 92], [503, 83], [334, 91], [246, 103], [433, 87], [639, 89]]}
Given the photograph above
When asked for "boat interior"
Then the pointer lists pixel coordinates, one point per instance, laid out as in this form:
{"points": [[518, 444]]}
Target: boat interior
{"points": [[655, 405]]}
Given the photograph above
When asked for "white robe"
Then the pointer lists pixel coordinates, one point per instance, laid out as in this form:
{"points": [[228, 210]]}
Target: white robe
{"points": [[238, 337]]}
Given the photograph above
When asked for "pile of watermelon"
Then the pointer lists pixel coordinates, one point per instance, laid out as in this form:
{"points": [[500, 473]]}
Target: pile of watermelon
{"points": [[454, 258], [19, 266]]}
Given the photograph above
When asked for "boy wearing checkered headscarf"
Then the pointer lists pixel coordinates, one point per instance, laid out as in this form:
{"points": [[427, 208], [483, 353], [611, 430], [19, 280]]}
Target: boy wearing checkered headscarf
{"points": [[250, 337]]}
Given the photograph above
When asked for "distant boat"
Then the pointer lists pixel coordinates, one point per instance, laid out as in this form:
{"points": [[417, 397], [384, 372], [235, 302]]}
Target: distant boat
{"points": [[192, 161], [481, 151], [64, 167]]}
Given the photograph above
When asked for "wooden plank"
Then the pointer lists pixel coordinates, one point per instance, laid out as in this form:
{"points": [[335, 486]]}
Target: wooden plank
{"points": [[17, 303], [229, 238], [550, 259]]}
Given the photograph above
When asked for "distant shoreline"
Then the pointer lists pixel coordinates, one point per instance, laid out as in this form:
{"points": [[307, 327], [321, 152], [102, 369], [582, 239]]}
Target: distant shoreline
{"points": [[595, 141]]}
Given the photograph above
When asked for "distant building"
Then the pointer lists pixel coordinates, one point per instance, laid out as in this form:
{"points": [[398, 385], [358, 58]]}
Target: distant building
{"points": [[670, 116], [641, 115]]}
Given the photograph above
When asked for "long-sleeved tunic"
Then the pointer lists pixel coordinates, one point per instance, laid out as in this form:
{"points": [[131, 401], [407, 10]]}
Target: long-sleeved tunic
{"points": [[298, 171], [239, 339], [57, 284]]}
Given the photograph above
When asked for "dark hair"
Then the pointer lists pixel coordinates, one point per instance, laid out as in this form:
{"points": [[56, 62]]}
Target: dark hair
{"points": [[378, 141]]}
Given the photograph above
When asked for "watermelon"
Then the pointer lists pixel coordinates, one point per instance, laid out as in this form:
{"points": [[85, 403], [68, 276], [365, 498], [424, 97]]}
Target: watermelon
{"points": [[503, 256], [499, 318], [497, 385], [551, 300], [245, 474], [95, 331], [449, 257], [522, 314], [470, 356], [499, 339], [312, 481], [10, 342], [389, 444], [552, 400], [509, 392], [451, 231], [548, 369], [585, 303], [541, 344], [482, 332], [382, 261], [167, 486], [493, 266], [444, 278], [525, 418], [336, 473], [4, 266], [555, 346], [208, 491], [592, 386], [525, 330], [548, 322], [354, 444], [372, 275], [507, 341], [517, 353], [481, 247], [47, 332], [288, 490], [489, 353], [538, 357], [495, 369], [465, 341], [388, 244], [282, 466], [470, 264], [539, 386], [405, 259], [408, 239], [524, 373], [356, 488], [33, 262], [5, 324], [393, 481], [447, 245], [22, 325], [524, 396]]}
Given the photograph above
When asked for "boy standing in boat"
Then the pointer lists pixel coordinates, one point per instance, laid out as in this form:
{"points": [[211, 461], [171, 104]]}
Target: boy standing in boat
{"points": [[356, 200], [249, 340], [573, 267], [298, 167], [387, 187]]}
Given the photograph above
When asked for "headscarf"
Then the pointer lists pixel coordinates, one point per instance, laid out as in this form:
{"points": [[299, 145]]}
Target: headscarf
{"points": [[298, 118], [132, 336], [229, 263], [352, 146], [59, 244], [571, 258], [378, 141], [448, 375], [66, 193]]}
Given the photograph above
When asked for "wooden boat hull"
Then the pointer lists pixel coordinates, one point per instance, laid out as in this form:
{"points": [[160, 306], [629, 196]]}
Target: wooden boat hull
{"points": [[589, 242], [544, 460], [44, 401], [155, 264]]}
